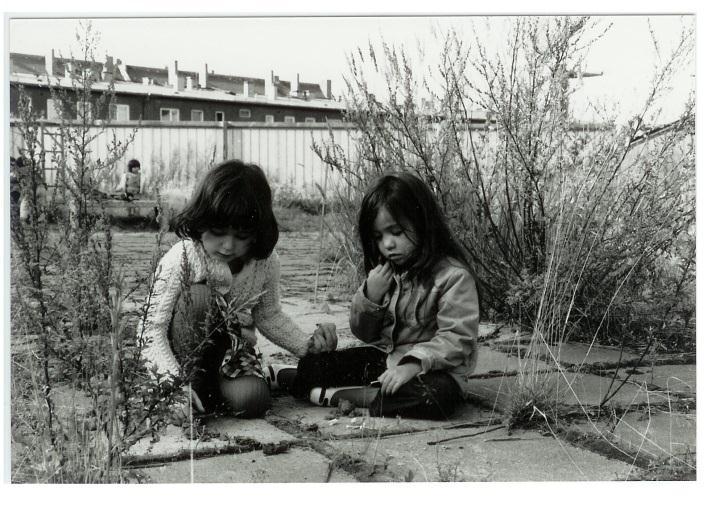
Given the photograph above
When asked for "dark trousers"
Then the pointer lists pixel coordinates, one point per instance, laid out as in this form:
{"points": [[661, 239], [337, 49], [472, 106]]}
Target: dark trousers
{"points": [[433, 395]]}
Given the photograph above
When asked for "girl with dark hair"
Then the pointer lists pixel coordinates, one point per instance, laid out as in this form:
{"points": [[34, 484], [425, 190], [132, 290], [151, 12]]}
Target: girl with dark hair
{"points": [[212, 290], [130, 183], [418, 311]]}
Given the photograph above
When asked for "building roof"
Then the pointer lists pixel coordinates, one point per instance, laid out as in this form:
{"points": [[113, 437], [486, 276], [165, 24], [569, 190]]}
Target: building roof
{"points": [[134, 78], [27, 64], [136, 73], [235, 84]]}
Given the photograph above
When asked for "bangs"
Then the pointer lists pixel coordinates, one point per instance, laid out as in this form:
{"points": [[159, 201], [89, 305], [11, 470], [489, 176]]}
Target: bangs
{"points": [[238, 211]]}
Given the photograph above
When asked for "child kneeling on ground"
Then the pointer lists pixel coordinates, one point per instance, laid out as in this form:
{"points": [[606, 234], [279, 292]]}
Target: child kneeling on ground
{"points": [[213, 289]]}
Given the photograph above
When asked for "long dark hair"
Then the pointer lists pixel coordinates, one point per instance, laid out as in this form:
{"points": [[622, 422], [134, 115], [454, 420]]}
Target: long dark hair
{"points": [[412, 205], [232, 194]]}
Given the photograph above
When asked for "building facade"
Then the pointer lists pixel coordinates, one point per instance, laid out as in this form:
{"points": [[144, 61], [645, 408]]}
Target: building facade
{"points": [[171, 95]]}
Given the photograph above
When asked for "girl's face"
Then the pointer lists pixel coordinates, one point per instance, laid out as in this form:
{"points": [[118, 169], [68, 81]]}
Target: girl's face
{"points": [[227, 244], [395, 242]]}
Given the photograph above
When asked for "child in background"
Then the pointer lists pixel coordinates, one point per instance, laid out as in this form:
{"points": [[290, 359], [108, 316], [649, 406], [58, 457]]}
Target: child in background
{"points": [[418, 310], [214, 287], [130, 183]]}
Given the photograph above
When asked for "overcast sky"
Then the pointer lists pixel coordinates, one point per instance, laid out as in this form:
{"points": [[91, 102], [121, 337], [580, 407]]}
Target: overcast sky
{"points": [[317, 47]]}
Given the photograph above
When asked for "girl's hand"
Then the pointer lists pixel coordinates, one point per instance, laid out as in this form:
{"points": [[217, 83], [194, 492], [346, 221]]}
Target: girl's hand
{"points": [[392, 379], [325, 338], [378, 282], [182, 409]]}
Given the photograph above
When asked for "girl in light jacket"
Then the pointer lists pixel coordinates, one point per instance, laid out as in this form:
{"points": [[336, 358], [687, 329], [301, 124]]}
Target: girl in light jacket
{"points": [[418, 312]]}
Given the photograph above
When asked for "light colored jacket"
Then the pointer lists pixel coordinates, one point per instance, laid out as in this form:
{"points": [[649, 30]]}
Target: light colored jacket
{"points": [[436, 324]]}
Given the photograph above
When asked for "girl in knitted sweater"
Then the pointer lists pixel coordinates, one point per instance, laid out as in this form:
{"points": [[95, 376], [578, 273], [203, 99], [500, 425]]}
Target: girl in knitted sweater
{"points": [[214, 288]]}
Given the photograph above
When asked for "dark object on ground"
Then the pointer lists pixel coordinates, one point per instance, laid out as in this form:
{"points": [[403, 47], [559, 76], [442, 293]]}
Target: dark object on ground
{"points": [[276, 448]]}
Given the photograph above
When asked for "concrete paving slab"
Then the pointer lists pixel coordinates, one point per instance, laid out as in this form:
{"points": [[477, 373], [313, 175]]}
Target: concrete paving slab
{"points": [[510, 336], [672, 378], [569, 389], [306, 314], [257, 429], [656, 436], [490, 361], [298, 465], [488, 329], [568, 354], [328, 423], [173, 441], [476, 456], [581, 353]]}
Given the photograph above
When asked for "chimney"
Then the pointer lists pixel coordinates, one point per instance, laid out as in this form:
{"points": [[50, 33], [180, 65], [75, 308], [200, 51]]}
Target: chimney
{"points": [[189, 82], [270, 90], [123, 71], [204, 77], [108, 70], [294, 85], [173, 74], [50, 62], [245, 88], [146, 81], [326, 88]]}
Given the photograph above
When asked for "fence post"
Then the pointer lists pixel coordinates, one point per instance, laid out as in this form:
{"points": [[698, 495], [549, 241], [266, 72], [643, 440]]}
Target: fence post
{"points": [[225, 140]]}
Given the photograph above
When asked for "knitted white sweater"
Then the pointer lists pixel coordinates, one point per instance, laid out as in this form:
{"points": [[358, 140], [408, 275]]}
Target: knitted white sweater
{"points": [[257, 281]]}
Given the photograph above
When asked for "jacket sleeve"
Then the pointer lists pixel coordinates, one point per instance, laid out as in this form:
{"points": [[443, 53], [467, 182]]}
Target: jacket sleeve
{"points": [[457, 326], [269, 317], [366, 317], [153, 329]]}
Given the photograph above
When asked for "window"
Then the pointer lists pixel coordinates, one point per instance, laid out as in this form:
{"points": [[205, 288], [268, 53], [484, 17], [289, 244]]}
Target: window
{"points": [[84, 110], [52, 109], [197, 115], [244, 113], [269, 118], [310, 120], [219, 115], [119, 112], [289, 119], [167, 114]]}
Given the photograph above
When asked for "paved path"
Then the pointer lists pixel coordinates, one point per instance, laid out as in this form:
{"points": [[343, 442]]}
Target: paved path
{"points": [[605, 422]]}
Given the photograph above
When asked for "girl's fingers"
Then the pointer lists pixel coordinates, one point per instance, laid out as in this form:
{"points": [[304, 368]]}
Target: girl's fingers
{"points": [[395, 387], [197, 402], [331, 336], [318, 343], [387, 384]]}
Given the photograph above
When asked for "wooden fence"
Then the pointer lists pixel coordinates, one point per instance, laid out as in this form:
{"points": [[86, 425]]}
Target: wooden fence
{"points": [[174, 155]]}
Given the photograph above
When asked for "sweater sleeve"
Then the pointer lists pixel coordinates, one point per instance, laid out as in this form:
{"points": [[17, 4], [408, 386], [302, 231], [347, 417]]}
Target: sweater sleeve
{"points": [[269, 317], [153, 329], [457, 326]]}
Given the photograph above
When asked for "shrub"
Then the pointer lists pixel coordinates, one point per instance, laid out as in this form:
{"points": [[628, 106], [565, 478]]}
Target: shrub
{"points": [[574, 230], [68, 308]]}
